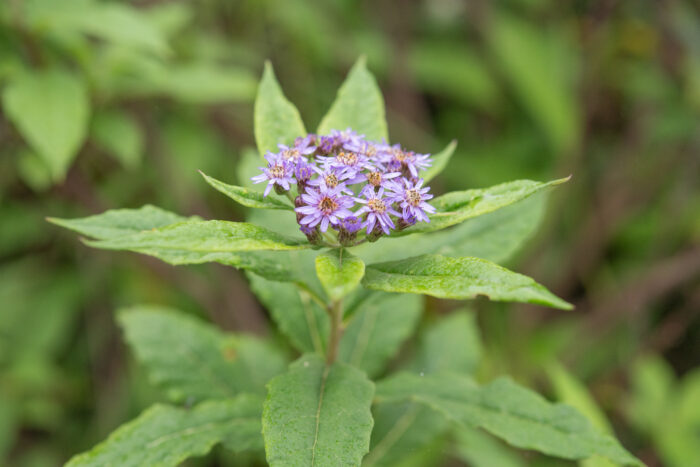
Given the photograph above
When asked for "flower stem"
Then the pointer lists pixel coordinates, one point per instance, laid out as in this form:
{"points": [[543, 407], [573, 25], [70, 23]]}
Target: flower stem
{"points": [[335, 310]]}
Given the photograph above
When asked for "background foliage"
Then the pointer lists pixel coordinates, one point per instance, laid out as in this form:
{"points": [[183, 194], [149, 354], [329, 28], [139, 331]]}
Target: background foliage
{"points": [[151, 91]]}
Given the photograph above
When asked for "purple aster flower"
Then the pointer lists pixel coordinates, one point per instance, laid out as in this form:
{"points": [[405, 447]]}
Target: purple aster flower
{"points": [[350, 162], [347, 137], [295, 155], [377, 210], [278, 172], [351, 224], [332, 177], [324, 206], [412, 199]]}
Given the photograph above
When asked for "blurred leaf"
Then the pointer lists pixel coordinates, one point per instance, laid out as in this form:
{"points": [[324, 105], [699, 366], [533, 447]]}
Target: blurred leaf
{"points": [[677, 439], [652, 382], [454, 71], [165, 435], [116, 132], [458, 278], [276, 119], [401, 431], [451, 344], [339, 272], [34, 171], [359, 105], [117, 23], [317, 415], [440, 161], [378, 328], [529, 62], [50, 109], [194, 361], [202, 83], [457, 206], [478, 449], [248, 198], [518, 415]]}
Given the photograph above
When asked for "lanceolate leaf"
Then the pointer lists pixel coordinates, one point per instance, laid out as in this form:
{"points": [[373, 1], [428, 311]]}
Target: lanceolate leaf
{"points": [[209, 237], [339, 272], [246, 197], [317, 415], [456, 207], [458, 278], [359, 105], [121, 222], [276, 119], [124, 223], [440, 161], [50, 109], [194, 361], [166, 436], [518, 415]]}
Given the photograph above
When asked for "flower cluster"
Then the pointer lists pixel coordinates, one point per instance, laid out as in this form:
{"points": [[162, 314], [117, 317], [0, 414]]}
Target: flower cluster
{"points": [[350, 185]]}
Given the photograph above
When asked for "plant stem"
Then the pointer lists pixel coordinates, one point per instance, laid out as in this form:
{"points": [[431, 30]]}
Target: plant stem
{"points": [[336, 313]]}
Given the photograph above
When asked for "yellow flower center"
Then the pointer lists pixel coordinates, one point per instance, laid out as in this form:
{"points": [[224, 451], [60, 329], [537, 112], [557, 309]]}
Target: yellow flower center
{"points": [[413, 197], [327, 205], [377, 205]]}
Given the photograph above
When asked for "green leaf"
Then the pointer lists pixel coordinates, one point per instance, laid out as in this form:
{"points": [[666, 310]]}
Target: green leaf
{"points": [[317, 415], [124, 227], [297, 316], [50, 109], [440, 161], [378, 328], [495, 236], [456, 207], [246, 197], [359, 105], [451, 344], [117, 223], [339, 272], [458, 278], [202, 237], [166, 436], [401, 429], [194, 361], [478, 449], [276, 119], [518, 415], [536, 65], [117, 133]]}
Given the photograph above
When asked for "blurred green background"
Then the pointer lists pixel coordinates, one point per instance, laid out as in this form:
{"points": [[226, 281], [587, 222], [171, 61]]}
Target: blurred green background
{"points": [[152, 90]]}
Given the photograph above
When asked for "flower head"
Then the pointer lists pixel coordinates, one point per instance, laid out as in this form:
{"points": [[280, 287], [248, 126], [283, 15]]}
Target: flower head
{"points": [[412, 200], [397, 159], [278, 172], [324, 206], [378, 211]]}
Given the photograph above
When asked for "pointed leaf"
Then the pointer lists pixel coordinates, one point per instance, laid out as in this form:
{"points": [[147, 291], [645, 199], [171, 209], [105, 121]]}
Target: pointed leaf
{"points": [[359, 105], [339, 272], [456, 207], [518, 415], [317, 415], [120, 135], [440, 161], [194, 361], [378, 328], [119, 224], [164, 435], [458, 278], [276, 119], [50, 109], [246, 197]]}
